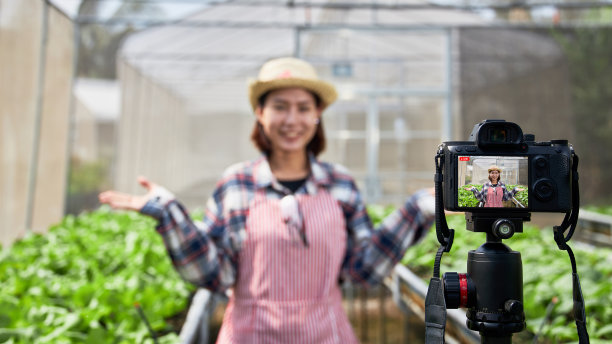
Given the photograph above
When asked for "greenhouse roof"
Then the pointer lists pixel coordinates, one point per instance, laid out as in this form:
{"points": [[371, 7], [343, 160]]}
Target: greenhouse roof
{"points": [[211, 53]]}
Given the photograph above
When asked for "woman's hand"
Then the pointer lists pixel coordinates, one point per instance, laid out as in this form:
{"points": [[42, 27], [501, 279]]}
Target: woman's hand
{"points": [[123, 201]]}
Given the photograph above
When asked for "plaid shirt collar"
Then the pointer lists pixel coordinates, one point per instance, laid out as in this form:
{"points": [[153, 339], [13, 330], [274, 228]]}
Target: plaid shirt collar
{"points": [[319, 176]]}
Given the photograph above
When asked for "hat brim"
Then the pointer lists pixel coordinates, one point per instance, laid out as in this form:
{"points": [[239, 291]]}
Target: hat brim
{"points": [[326, 91]]}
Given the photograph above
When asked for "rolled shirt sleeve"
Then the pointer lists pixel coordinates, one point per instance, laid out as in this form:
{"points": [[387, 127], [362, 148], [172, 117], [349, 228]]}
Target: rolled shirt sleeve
{"points": [[198, 250], [372, 253]]}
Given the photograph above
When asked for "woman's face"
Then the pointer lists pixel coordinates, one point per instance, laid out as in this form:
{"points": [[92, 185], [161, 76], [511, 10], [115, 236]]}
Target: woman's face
{"points": [[494, 176], [289, 118]]}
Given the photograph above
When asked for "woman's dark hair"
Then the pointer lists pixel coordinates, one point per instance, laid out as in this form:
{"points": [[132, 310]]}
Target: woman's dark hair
{"points": [[315, 146]]}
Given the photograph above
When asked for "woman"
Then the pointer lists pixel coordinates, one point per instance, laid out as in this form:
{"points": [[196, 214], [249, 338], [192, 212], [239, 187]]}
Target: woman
{"points": [[282, 230], [494, 191]]}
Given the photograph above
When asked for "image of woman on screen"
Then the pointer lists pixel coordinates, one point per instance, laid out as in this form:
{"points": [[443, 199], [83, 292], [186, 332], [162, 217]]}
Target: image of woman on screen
{"points": [[494, 192]]}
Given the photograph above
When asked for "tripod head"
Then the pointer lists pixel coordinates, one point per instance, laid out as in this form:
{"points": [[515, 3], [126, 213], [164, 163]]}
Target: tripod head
{"points": [[492, 288]]}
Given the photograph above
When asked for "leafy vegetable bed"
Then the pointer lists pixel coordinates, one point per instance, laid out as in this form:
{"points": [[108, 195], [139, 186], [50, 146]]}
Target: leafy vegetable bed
{"points": [[546, 276], [606, 210], [467, 198], [80, 282]]}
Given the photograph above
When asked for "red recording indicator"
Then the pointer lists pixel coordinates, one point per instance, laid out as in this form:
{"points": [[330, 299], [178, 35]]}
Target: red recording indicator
{"points": [[464, 158]]}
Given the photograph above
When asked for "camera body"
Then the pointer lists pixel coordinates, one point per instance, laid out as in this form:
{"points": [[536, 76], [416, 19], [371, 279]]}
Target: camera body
{"points": [[532, 176], [497, 178]]}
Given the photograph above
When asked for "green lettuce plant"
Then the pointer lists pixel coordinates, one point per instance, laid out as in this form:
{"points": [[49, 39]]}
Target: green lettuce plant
{"points": [[546, 279], [79, 283]]}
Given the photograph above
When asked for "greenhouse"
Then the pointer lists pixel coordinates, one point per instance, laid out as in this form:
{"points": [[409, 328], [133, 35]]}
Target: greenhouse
{"points": [[99, 93]]}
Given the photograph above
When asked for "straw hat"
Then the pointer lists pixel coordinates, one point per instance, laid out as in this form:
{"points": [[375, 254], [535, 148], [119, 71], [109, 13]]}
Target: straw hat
{"points": [[494, 168], [290, 72]]}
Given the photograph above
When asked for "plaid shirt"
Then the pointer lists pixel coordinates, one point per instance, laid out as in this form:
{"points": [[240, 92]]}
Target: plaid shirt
{"points": [[206, 253], [481, 195]]}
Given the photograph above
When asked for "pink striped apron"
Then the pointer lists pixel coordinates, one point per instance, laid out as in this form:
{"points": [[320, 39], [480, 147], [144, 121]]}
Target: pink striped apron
{"points": [[286, 292], [494, 197]]}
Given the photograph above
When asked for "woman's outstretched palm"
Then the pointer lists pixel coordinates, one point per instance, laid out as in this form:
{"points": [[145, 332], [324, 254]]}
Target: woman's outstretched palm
{"points": [[124, 201]]}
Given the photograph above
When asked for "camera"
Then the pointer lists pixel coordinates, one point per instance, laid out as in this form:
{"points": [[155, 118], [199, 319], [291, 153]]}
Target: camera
{"points": [[497, 178], [540, 172]]}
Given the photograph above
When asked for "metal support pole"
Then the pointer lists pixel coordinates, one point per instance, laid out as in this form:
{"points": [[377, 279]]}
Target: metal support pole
{"points": [[447, 123], [34, 157], [373, 144], [297, 48], [363, 323], [382, 328], [72, 116]]}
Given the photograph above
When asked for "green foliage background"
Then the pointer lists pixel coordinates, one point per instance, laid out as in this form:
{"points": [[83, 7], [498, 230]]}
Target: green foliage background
{"points": [[467, 199], [546, 275], [79, 283], [588, 52]]}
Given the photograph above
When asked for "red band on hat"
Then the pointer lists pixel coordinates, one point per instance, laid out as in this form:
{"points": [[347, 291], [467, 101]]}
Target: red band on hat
{"points": [[285, 74]]}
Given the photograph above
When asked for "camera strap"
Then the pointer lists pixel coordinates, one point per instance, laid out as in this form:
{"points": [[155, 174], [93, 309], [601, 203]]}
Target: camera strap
{"points": [[435, 312], [435, 305], [570, 221], [444, 234]]}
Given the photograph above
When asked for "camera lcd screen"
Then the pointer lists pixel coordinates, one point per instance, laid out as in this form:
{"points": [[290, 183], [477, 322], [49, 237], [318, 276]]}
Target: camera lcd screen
{"points": [[492, 181]]}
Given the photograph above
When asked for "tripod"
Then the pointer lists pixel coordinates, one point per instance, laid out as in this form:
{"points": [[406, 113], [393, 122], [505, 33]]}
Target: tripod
{"points": [[492, 289]]}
